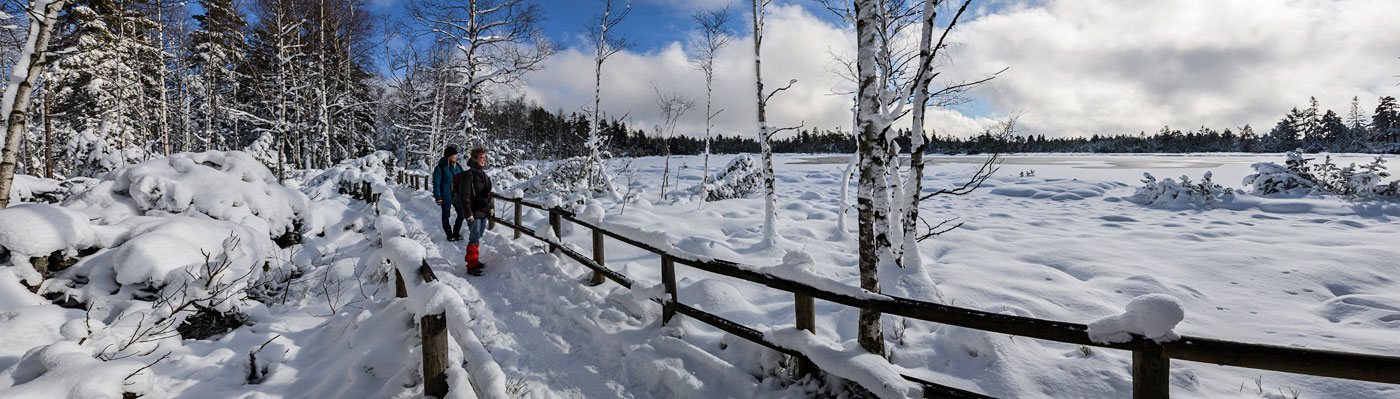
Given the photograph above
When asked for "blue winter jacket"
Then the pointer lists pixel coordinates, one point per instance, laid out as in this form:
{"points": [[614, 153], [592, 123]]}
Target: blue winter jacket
{"points": [[442, 180]]}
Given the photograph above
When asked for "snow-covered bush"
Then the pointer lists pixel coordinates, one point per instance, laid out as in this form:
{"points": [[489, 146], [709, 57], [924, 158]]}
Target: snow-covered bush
{"points": [[741, 178], [1297, 177], [511, 176], [1168, 192], [566, 178], [348, 176], [229, 186], [25, 188]]}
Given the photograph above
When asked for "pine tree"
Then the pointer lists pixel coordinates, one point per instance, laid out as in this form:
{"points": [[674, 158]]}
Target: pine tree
{"points": [[218, 50], [1385, 123], [112, 73]]}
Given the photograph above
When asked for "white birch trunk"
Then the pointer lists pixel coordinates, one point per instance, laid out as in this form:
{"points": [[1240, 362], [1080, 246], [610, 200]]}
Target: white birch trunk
{"points": [[25, 71], [873, 195]]}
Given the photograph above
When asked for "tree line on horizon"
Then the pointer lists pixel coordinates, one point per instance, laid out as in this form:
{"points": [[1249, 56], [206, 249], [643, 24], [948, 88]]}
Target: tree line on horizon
{"points": [[559, 135]]}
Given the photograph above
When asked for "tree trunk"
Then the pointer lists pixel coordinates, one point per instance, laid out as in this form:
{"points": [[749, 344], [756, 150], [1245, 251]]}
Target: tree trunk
{"points": [[24, 72], [873, 197], [770, 199]]}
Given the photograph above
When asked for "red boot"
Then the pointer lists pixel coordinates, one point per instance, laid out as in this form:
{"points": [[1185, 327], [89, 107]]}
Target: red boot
{"points": [[473, 263]]}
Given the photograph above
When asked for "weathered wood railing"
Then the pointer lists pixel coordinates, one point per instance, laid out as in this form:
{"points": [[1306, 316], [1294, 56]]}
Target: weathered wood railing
{"points": [[1151, 361], [433, 329], [414, 180]]}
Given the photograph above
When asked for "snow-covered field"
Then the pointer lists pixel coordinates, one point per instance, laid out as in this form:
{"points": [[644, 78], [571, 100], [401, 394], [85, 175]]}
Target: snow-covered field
{"points": [[1064, 244]]}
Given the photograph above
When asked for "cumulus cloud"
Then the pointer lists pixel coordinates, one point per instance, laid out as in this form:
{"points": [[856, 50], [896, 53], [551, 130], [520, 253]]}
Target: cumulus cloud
{"points": [[796, 45], [1080, 67], [1077, 67]]}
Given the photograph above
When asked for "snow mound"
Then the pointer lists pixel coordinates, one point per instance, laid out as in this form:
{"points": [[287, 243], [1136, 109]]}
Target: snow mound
{"points": [[1152, 316], [32, 230], [229, 186], [68, 370], [1052, 189]]}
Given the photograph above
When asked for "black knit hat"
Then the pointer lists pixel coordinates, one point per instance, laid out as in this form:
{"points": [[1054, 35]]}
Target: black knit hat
{"points": [[449, 151]]}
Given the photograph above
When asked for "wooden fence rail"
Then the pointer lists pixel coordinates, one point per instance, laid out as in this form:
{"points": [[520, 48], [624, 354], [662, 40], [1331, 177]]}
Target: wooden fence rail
{"points": [[433, 331], [1151, 361]]}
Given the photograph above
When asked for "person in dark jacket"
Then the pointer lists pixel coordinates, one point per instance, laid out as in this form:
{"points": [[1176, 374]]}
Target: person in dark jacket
{"points": [[472, 190], [447, 167]]}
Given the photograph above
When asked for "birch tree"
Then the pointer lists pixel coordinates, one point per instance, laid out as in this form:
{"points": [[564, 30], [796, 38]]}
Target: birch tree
{"points": [[595, 170], [714, 35], [25, 70], [496, 41], [672, 106], [887, 90], [766, 132]]}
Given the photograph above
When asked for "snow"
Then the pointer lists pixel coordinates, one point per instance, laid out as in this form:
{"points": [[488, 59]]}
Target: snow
{"points": [[1295, 270], [40, 229], [35, 230], [26, 188], [1152, 315], [229, 186], [851, 362]]}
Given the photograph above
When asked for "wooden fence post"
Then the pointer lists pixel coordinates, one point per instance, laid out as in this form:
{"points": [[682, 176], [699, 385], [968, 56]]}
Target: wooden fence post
{"points": [[517, 217], [597, 256], [805, 307], [365, 190], [1151, 374], [434, 328], [400, 290], [668, 277], [555, 225]]}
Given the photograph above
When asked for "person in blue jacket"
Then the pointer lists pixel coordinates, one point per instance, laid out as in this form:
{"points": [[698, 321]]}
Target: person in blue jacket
{"points": [[447, 167]]}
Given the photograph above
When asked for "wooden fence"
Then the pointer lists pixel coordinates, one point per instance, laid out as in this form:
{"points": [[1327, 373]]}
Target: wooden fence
{"points": [[1151, 361]]}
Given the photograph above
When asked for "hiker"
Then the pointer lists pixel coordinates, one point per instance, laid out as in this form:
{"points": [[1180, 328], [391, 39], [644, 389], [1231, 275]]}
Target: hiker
{"points": [[472, 189], [447, 167]]}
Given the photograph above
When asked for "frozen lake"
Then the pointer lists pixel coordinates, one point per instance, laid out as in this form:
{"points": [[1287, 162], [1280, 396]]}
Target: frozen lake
{"points": [[1228, 168]]}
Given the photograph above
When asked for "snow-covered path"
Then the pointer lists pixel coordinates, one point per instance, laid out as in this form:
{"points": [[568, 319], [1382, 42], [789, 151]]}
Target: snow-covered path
{"points": [[547, 328]]}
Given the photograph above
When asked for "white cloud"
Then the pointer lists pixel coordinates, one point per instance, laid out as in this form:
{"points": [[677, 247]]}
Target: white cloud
{"points": [[1107, 66], [796, 45], [1077, 66]]}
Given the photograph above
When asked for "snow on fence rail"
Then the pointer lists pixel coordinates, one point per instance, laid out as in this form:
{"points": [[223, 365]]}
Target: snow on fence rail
{"points": [[1151, 360]]}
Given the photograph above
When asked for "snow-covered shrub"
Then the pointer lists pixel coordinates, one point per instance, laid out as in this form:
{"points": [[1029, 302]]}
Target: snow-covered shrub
{"points": [[95, 157], [264, 149], [1168, 192], [566, 178], [1297, 177], [229, 186], [511, 176], [26, 188], [741, 178], [175, 275], [348, 176]]}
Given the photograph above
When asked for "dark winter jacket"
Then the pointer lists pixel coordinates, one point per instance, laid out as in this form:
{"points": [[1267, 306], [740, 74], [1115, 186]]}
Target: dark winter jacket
{"points": [[473, 188], [442, 179]]}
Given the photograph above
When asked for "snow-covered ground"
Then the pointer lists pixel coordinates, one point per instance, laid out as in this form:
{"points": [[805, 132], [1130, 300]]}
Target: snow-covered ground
{"points": [[1064, 244]]}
